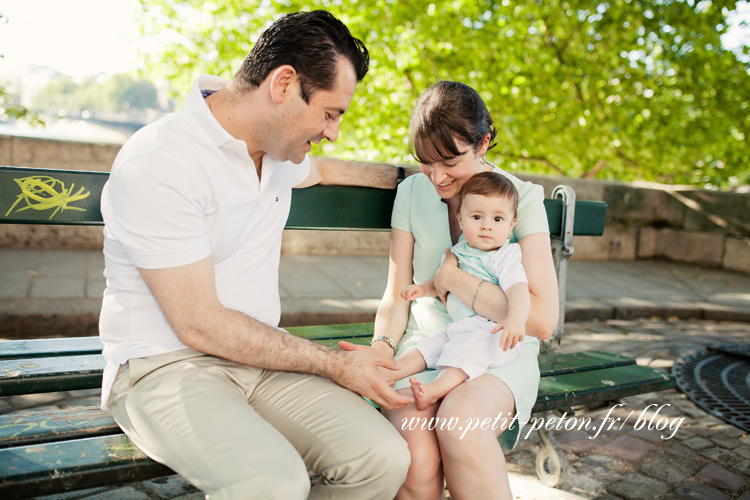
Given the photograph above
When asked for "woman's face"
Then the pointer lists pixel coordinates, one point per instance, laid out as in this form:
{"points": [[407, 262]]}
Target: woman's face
{"points": [[449, 175]]}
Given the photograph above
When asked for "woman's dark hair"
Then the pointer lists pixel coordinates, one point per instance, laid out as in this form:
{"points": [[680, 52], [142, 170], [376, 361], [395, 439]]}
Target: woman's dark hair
{"points": [[445, 112], [489, 184], [310, 42]]}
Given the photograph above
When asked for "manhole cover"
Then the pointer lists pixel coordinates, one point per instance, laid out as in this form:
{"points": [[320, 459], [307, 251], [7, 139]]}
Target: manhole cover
{"points": [[718, 381]]}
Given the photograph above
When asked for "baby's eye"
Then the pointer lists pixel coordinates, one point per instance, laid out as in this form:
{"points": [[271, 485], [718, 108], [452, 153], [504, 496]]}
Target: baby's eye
{"points": [[498, 219], [476, 217]]}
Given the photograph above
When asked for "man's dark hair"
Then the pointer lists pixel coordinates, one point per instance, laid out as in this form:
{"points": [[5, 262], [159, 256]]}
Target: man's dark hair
{"points": [[310, 42]]}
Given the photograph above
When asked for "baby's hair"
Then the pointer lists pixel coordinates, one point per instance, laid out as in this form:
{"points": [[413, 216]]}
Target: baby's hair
{"points": [[489, 184]]}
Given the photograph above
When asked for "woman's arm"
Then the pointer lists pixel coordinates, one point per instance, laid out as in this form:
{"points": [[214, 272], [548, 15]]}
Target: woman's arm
{"points": [[393, 312], [492, 303]]}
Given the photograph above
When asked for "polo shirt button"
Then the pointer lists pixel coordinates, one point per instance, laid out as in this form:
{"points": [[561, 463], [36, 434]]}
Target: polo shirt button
{"points": [[245, 164]]}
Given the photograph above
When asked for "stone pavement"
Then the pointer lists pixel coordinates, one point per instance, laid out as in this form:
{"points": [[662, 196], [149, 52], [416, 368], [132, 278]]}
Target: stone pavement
{"points": [[46, 292]]}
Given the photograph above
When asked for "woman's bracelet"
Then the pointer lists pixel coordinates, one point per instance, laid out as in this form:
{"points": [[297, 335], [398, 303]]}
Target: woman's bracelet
{"points": [[474, 298], [387, 340]]}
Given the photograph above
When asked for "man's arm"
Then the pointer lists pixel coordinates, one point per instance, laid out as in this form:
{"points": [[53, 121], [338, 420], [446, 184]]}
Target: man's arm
{"points": [[187, 297], [349, 173]]}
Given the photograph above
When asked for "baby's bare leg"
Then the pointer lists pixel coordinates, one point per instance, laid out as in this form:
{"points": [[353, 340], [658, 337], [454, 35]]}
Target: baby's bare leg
{"points": [[447, 380], [411, 362]]}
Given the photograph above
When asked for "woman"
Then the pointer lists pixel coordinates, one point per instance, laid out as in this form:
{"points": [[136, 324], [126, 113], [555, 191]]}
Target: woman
{"points": [[451, 130]]}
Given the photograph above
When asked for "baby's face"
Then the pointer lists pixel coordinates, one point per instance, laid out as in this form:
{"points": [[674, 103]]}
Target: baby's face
{"points": [[486, 221]]}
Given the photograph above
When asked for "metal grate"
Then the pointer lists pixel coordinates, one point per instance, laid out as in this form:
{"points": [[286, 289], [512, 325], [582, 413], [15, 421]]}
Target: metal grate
{"points": [[717, 382]]}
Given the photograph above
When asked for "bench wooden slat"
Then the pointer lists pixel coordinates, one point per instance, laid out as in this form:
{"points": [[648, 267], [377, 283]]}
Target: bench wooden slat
{"points": [[316, 207], [40, 469], [68, 373], [581, 388], [43, 426], [41, 348]]}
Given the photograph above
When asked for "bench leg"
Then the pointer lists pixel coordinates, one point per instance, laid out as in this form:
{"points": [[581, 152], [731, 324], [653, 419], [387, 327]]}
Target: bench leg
{"points": [[550, 461]]}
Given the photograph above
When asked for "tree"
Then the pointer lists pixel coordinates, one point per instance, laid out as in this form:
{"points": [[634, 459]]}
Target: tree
{"points": [[623, 89]]}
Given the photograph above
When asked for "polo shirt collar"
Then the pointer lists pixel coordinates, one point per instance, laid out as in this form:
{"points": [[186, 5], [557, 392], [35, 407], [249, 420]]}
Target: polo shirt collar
{"points": [[197, 107]]}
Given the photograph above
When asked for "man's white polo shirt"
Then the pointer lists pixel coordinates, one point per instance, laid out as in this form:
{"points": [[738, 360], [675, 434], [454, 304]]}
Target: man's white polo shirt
{"points": [[181, 189]]}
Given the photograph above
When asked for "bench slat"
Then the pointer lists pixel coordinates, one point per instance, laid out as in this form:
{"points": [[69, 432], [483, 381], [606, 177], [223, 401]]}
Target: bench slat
{"points": [[316, 207], [35, 470], [581, 388], [562, 374], [29, 376], [44, 426], [74, 372], [41, 348]]}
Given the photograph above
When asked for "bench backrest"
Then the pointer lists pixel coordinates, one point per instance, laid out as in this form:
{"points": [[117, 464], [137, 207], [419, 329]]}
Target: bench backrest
{"points": [[70, 197]]}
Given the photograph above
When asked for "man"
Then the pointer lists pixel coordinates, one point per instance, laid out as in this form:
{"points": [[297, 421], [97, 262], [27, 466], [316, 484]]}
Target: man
{"points": [[198, 375]]}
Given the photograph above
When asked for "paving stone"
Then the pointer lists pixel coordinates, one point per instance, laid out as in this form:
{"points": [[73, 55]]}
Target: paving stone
{"points": [[628, 448], [32, 400], [725, 441], [704, 432], [651, 435], [604, 468], [697, 491], [742, 450], [71, 494], [636, 487], [124, 493], [200, 496], [85, 393], [5, 406], [744, 496], [743, 467], [720, 478], [722, 456], [168, 487], [672, 470], [697, 443], [578, 442], [745, 440], [729, 430]]}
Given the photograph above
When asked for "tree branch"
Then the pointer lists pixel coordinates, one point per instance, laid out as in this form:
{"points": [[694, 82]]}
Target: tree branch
{"points": [[590, 174], [538, 159]]}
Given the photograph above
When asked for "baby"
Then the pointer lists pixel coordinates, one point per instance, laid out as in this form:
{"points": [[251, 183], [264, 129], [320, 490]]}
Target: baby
{"points": [[487, 207]]}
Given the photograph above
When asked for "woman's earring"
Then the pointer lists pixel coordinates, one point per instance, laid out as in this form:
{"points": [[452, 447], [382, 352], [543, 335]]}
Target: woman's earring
{"points": [[482, 160]]}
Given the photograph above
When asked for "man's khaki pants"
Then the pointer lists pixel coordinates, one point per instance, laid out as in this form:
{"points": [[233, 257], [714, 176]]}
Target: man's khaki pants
{"points": [[238, 432]]}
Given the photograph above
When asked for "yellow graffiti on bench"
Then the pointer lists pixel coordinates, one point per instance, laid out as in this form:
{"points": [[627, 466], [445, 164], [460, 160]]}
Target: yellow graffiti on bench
{"points": [[41, 193]]}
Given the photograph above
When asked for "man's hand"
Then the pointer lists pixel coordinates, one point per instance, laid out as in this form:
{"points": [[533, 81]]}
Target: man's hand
{"points": [[449, 264], [361, 373]]}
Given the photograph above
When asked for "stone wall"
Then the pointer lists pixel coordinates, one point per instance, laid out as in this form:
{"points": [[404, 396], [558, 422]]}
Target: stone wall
{"points": [[644, 220]]}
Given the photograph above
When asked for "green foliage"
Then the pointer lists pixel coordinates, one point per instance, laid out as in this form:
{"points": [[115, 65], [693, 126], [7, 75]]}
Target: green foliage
{"points": [[623, 89], [115, 94]]}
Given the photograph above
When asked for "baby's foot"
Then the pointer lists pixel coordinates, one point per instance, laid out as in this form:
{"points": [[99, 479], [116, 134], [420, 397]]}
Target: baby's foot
{"points": [[423, 395]]}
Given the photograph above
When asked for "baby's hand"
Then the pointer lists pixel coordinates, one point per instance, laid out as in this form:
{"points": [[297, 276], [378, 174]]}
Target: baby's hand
{"points": [[513, 333], [413, 292]]}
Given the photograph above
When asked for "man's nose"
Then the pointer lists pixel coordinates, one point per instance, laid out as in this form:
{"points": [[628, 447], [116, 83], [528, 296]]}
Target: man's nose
{"points": [[331, 132]]}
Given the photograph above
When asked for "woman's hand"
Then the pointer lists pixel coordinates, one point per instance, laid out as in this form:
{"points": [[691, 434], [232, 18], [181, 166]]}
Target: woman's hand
{"points": [[449, 265]]}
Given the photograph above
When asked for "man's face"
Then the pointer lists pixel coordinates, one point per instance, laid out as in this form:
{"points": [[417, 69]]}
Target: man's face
{"points": [[307, 123]]}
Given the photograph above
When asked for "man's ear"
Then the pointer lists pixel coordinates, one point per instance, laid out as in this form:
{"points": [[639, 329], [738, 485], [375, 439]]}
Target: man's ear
{"points": [[282, 82]]}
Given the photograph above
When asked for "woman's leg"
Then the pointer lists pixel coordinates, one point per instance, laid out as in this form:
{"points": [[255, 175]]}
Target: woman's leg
{"points": [[424, 481], [473, 462]]}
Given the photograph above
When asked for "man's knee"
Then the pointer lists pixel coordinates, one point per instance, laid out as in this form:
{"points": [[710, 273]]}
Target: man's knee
{"points": [[389, 459], [277, 483]]}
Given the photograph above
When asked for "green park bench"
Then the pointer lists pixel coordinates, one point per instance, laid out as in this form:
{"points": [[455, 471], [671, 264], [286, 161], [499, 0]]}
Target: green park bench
{"points": [[44, 452]]}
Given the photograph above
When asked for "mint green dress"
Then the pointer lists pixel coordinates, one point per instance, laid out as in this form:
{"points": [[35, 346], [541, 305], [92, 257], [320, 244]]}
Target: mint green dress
{"points": [[419, 210]]}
